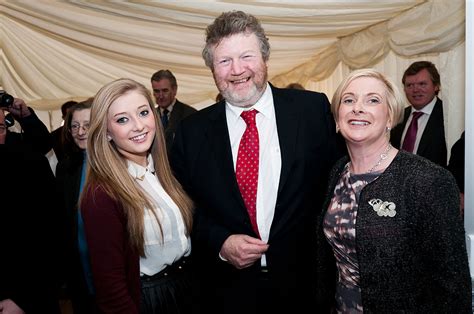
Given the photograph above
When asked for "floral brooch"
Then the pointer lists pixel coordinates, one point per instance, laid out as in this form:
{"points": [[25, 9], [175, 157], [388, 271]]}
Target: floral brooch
{"points": [[383, 208]]}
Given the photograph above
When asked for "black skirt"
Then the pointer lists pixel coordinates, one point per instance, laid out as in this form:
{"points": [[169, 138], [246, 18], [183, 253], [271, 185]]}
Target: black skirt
{"points": [[169, 291]]}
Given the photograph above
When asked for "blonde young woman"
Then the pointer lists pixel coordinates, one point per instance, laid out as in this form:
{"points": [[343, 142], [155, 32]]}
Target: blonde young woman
{"points": [[391, 225], [137, 217]]}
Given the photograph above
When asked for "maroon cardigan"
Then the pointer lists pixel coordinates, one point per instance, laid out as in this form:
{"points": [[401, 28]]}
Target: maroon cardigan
{"points": [[115, 265]]}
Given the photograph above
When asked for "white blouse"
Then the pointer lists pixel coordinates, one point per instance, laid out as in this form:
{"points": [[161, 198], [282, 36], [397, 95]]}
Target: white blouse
{"points": [[160, 252]]}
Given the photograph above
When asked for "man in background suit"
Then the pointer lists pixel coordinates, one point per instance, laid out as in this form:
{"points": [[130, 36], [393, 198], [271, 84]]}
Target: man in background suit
{"points": [[422, 83], [254, 255], [171, 110]]}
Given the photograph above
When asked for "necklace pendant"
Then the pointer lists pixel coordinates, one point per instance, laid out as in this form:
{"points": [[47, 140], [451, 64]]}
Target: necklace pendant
{"points": [[383, 156]]}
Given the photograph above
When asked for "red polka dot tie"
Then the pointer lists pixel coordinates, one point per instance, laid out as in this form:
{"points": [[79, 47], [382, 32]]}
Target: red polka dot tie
{"points": [[247, 166]]}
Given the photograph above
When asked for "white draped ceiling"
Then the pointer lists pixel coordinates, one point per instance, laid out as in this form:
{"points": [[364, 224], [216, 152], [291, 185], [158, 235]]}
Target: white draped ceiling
{"points": [[55, 51]]}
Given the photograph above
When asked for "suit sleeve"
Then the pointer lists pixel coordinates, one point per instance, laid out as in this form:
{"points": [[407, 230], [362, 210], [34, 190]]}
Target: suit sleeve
{"points": [[36, 133], [105, 229]]}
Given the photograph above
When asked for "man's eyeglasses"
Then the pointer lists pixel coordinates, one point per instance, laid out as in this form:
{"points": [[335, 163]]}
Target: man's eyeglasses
{"points": [[76, 126]]}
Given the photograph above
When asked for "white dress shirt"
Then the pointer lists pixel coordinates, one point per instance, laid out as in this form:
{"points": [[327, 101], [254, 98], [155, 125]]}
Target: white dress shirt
{"points": [[269, 168], [160, 251]]}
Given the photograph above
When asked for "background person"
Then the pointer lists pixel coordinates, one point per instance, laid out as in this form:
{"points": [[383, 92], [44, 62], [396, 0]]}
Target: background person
{"points": [[171, 110], [70, 177], [34, 134], [253, 242], [422, 83], [29, 231], [392, 225], [57, 135], [457, 166], [137, 217]]}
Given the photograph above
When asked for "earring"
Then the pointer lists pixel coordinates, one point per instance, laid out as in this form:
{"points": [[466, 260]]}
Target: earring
{"points": [[109, 138], [387, 129]]}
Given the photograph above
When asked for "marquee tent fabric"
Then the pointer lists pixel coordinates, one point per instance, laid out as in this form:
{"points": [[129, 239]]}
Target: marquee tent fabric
{"points": [[56, 51]]}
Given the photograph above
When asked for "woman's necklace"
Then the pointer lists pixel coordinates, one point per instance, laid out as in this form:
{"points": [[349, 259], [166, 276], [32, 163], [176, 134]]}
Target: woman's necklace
{"points": [[383, 156]]}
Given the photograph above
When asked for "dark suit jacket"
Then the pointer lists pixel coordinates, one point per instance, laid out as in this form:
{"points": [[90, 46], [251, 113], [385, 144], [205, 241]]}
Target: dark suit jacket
{"points": [[68, 181], [30, 253], [180, 111], [34, 134], [433, 141], [456, 161], [202, 160]]}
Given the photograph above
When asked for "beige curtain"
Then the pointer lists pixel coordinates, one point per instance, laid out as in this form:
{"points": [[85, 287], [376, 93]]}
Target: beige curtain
{"points": [[55, 51]]}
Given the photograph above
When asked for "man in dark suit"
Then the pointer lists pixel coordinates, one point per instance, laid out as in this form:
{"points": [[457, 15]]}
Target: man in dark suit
{"points": [[422, 83], [254, 242], [30, 230], [171, 110]]}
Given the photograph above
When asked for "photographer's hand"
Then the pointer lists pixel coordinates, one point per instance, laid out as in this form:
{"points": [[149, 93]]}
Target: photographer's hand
{"points": [[19, 109]]}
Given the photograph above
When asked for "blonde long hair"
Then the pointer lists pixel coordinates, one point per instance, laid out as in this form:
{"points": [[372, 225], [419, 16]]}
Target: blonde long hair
{"points": [[108, 168]]}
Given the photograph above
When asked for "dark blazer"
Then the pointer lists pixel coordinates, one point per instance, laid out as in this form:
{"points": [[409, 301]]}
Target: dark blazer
{"points": [[29, 231], [68, 181], [58, 143], [179, 112], [34, 134], [456, 161], [433, 141], [416, 261], [202, 161]]}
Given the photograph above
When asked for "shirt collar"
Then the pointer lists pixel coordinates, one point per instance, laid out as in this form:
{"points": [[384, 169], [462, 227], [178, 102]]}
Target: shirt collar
{"points": [[428, 108], [137, 171], [169, 108]]}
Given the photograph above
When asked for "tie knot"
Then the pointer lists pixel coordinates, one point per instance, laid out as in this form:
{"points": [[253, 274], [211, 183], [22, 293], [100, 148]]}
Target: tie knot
{"points": [[165, 112], [249, 116], [417, 114]]}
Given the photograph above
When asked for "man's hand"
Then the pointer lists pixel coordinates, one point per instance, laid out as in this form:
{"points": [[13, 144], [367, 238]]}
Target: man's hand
{"points": [[9, 307], [242, 250], [19, 109]]}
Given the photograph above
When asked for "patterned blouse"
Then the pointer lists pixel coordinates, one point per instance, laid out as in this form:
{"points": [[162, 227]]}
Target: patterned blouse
{"points": [[339, 229]]}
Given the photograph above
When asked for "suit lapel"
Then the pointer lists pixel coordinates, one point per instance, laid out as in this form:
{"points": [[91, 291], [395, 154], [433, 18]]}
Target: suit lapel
{"points": [[287, 127], [220, 145], [431, 125], [175, 115]]}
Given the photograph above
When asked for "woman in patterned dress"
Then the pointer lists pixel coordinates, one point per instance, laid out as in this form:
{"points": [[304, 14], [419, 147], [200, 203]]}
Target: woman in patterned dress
{"points": [[391, 239]]}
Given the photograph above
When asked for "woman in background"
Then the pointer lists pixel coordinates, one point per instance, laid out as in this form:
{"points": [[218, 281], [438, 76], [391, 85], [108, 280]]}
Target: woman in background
{"points": [[391, 225], [70, 176], [136, 215]]}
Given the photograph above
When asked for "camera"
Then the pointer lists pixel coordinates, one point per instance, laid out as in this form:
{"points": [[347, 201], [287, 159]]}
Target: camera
{"points": [[6, 100]]}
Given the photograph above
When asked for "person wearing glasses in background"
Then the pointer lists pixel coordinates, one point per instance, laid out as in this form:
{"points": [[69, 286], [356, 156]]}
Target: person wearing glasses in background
{"points": [[70, 176]]}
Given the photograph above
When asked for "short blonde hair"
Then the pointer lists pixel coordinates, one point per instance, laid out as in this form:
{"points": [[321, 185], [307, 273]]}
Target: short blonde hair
{"points": [[395, 100]]}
